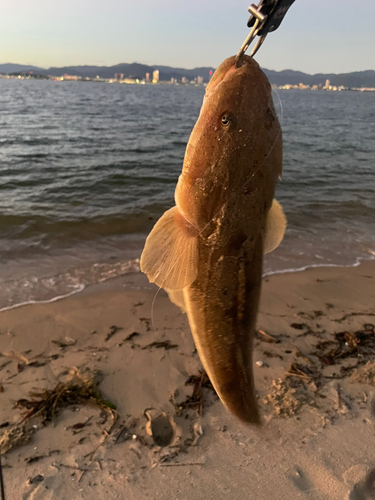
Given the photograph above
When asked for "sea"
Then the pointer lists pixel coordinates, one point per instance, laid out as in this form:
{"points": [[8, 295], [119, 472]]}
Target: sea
{"points": [[87, 168]]}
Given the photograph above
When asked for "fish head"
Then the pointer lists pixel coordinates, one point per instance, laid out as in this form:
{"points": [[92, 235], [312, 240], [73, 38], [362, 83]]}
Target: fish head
{"points": [[236, 139]]}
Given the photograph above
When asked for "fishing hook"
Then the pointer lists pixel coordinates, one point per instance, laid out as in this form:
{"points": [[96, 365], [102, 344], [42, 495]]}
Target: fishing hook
{"points": [[265, 17]]}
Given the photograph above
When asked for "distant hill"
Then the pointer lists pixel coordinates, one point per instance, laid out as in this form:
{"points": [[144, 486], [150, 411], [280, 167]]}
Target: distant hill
{"points": [[133, 70], [136, 70], [13, 68], [355, 79]]}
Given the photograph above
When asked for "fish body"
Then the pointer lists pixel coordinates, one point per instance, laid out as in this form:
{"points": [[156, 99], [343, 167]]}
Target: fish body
{"points": [[207, 251]]}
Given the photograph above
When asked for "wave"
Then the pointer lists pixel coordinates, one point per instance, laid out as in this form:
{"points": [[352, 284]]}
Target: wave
{"points": [[41, 141], [45, 289], [356, 263], [87, 170], [54, 299], [103, 272]]}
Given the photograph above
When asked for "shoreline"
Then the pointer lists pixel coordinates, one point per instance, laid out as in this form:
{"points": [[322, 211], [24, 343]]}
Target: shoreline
{"points": [[87, 287], [130, 81]]}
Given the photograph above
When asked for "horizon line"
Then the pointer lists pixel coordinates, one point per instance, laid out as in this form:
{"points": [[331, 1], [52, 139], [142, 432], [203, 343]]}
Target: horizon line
{"points": [[175, 67]]}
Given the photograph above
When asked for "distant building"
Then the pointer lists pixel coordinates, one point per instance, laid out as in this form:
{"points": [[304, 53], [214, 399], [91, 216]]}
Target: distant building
{"points": [[147, 77], [70, 77], [174, 80], [119, 76], [200, 80], [155, 76], [183, 79], [327, 85]]}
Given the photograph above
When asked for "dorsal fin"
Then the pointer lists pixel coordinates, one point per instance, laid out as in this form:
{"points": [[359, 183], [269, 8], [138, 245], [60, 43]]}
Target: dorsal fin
{"points": [[170, 255], [275, 227]]}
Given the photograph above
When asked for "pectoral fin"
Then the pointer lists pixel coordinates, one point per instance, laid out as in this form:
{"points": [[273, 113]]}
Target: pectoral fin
{"points": [[170, 255], [275, 227], [177, 297]]}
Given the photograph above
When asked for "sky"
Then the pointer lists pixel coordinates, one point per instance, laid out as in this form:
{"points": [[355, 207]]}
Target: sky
{"points": [[316, 36]]}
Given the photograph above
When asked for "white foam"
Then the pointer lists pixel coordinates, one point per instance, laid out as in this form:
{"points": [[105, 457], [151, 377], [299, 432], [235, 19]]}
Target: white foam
{"points": [[29, 302], [310, 266], [268, 273], [79, 278]]}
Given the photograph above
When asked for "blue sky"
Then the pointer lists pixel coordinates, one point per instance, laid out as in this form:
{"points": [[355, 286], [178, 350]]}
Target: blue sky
{"points": [[315, 36]]}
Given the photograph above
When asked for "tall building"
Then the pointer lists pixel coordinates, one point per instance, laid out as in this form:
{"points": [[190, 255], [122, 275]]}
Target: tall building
{"points": [[119, 76], [147, 77], [155, 76], [200, 80], [183, 79]]}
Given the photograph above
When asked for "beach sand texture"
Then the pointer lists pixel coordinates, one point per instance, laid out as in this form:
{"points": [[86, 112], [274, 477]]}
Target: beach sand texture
{"points": [[314, 374]]}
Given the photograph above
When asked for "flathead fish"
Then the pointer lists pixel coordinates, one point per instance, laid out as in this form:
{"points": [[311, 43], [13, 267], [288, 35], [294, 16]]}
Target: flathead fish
{"points": [[207, 250]]}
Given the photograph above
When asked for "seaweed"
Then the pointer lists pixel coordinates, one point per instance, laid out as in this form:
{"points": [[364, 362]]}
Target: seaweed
{"points": [[347, 344], [47, 403], [146, 321], [196, 400], [299, 326], [161, 344], [113, 329], [131, 336], [303, 372]]}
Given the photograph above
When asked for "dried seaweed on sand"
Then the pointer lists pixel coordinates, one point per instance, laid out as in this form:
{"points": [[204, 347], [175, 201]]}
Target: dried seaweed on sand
{"points": [[161, 344], [78, 390], [196, 400], [347, 344], [303, 372], [16, 435]]}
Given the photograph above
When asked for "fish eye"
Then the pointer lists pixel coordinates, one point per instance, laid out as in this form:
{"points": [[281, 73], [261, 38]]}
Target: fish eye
{"points": [[225, 120], [228, 120]]}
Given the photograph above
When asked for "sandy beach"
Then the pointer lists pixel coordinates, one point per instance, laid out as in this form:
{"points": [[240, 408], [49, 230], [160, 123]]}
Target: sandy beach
{"points": [[155, 429]]}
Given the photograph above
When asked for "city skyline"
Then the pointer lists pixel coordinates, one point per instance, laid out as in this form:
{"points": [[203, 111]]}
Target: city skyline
{"points": [[136, 73], [312, 38]]}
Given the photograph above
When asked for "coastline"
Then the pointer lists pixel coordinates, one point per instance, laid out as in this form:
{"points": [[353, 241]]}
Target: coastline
{"points": [[133, 268], [112, 327]]}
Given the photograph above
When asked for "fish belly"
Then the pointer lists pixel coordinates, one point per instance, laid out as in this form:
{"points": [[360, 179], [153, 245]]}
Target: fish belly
{"points": [[222, 306]]}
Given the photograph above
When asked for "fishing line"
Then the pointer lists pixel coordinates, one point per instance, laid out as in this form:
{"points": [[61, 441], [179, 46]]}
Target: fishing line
{"points": [[2, 487], [152, 309], [281, 105]]}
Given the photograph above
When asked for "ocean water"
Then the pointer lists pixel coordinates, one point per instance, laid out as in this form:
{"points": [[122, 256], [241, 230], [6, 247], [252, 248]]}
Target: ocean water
{"points": [[87, 168]]}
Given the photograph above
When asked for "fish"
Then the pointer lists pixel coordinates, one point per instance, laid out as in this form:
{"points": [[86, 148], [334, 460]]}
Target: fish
{"points": [[207, 251]]}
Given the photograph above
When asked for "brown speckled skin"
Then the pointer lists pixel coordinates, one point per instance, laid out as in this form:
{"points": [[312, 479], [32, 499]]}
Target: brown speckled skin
{"points": [[225, 190]]}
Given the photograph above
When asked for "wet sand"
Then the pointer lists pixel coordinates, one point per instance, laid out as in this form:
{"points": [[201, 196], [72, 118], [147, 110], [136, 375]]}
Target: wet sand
{"points": [[314, 374]]}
